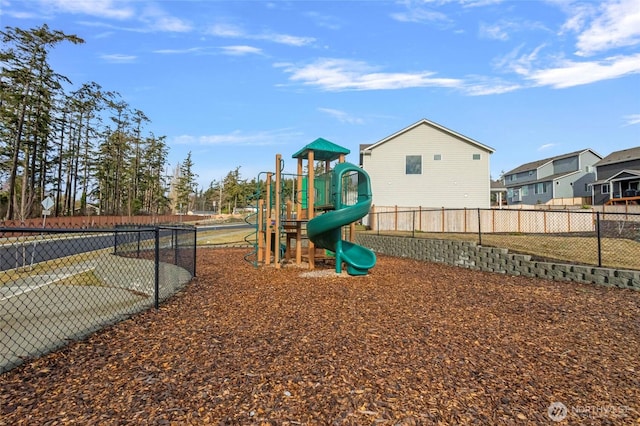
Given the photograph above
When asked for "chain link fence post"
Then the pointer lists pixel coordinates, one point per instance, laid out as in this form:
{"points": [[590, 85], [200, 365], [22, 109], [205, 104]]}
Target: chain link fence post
{"points": [[156, 234], [479, 228], [195, 245], [413, 224], [599, 239]]}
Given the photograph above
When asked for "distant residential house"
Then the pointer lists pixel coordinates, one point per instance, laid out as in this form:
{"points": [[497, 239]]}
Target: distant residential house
{"points": [[498, 193], [428, 165], [617, 176], [562, 176]]}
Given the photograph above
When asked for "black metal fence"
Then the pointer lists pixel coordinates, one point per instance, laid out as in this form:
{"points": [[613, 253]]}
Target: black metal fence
{"points": [[58, 285], [567, 236]]}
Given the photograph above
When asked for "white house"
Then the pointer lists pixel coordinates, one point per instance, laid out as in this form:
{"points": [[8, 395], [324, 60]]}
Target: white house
{"points": [[428, 165]]}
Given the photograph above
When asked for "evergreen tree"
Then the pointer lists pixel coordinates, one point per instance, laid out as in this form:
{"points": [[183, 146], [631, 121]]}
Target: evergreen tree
{"points": [[26, 98], [186, 186]]}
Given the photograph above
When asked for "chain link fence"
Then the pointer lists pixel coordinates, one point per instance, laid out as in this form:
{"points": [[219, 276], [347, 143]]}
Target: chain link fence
{"points": [[565, 236], [58, 285]]}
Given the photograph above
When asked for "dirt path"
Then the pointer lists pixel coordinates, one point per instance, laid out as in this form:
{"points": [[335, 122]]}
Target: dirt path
{"points": [[412, 343]]}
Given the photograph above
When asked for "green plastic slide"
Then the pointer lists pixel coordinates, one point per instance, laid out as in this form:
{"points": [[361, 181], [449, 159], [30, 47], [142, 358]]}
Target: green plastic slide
{"points": [[325, 230]]}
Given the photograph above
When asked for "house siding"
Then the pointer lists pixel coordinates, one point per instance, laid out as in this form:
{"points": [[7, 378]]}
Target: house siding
{"points": [[454, 181], [520, 178], [598, 196], [606, 171], [545, 170], [581, 186], [587, 161], [563, 186], [566, 165]]}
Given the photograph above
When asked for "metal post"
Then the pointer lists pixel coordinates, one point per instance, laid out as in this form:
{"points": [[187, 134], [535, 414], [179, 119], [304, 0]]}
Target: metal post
{"points": [[157, 269], [479, 229], [413, 225], [138, 251], [195, 245], [176, 249], [599, 239]]}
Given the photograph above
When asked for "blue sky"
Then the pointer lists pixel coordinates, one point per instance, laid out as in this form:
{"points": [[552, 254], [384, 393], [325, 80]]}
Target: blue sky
{"points": [[236, 82]]}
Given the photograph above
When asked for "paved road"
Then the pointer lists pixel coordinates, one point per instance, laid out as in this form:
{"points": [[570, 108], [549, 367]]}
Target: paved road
{"points": [[19, 253], [42, 312]]}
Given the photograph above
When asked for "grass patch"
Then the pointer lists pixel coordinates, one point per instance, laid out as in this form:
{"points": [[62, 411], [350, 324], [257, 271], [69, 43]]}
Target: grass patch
{"points": [[224, 236], [86, 278], [48, 266], [616, 252]]}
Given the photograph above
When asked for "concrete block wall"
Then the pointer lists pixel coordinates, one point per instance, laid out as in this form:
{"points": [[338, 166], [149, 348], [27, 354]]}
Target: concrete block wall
{"points": [[470, 255]]}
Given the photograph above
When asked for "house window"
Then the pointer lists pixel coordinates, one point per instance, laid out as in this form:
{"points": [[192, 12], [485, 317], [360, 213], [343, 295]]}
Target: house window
{"points": [[476, 156], [414, 165], [525, 190], [540, 188], [605, 188], [437, 157]]}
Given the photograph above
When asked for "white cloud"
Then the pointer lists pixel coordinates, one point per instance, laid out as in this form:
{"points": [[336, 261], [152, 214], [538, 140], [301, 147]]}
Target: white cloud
{"points": [[103, 8], [420, 14], [226, 30], [285, 39], [343, 74], [579, 15], [571, 73], [241, 50], [179, 51], [546, 146], [170, 24], [493, 32], [632, 119], [503, 29], [419, 11], [618, 25], [325, 21], [152, 17], [240, 138], [341, 116], [483, 87], [118, 58], [336, 75], [234, 31]]}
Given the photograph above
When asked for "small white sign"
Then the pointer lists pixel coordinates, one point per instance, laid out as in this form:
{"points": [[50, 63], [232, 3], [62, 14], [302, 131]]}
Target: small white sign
{"points": [[47, 203], [46, 212]]}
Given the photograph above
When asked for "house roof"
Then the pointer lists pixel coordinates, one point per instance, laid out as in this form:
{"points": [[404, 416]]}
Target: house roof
{"points": [[496, 185], [431, 124], [323, 150], [534, 165], [620, 156], [632, 174]]}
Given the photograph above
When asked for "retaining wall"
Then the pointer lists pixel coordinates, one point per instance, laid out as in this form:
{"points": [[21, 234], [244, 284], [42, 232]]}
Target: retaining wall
{"points": [[470, 255]]}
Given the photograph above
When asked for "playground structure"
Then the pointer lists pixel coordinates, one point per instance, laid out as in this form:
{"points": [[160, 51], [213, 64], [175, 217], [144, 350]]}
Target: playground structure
{"points": [[316, 214]]}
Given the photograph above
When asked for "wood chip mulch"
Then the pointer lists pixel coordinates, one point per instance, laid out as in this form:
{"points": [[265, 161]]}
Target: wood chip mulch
{"points": [[412, 343]]}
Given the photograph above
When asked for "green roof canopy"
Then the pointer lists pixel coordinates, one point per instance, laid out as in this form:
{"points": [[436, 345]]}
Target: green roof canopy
{"points": [[323, 150]]}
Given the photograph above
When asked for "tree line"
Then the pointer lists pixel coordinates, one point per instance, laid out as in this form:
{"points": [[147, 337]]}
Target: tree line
{"points": [[86, 149]]}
